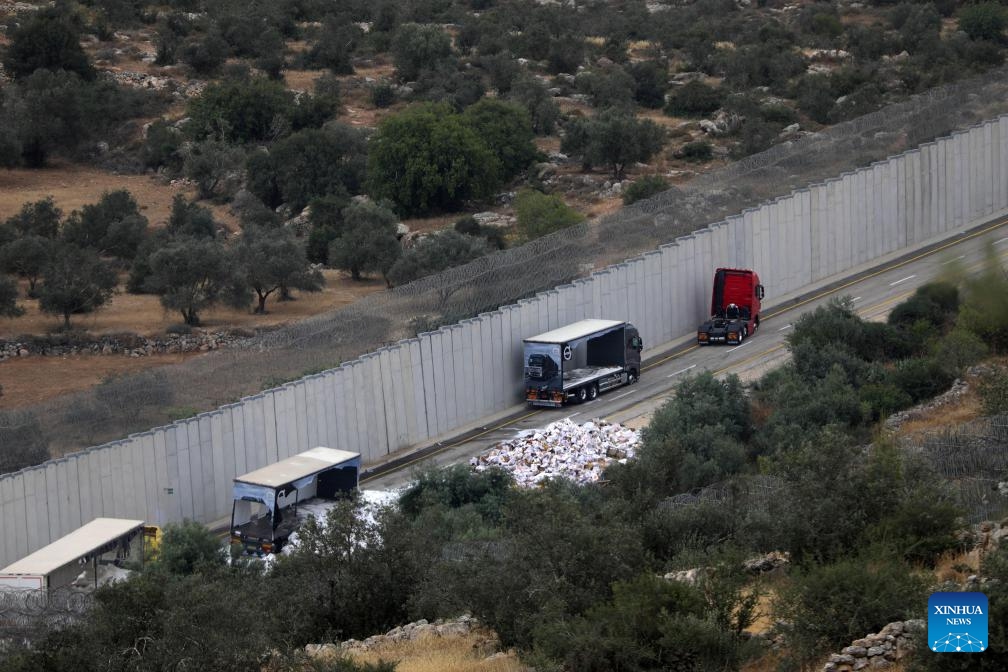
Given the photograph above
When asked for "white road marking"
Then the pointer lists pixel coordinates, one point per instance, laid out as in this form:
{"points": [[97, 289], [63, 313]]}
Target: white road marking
{"points": [[672, 375], [739, 346], [998, 242], [909, 277], [572, 415], [946, 263], [625, 394], [856, 298], [786, 326]]}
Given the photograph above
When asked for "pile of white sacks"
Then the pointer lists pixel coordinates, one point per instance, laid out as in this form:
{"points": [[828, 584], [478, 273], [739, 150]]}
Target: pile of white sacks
{"points": [[564, 449]]}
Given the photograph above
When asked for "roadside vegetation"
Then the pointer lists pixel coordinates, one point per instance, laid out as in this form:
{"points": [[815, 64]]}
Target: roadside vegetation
{"points": [[571, 577]]}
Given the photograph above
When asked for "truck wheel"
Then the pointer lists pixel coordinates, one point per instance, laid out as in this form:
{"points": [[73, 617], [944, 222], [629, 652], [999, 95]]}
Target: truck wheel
{"points": [[631, 377], [593, 392], [582, 394]]}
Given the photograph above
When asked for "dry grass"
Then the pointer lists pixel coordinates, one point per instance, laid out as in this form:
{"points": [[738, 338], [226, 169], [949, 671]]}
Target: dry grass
{"points": [[966, 408], [144, 315], [443, 654], [73, 186], [301, 80], [764, 620], [958, 566], [430, 224], [31, 380], [34, 379]]}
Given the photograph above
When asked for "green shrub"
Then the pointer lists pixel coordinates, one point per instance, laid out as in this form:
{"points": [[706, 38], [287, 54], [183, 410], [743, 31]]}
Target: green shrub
{"points": [[697, 151], [828, 606], [921, 378], [778, 114], [994, 393], [382, 95], [188, 547], [645, 187], [693, 99], [539, 214], [983, 21]]}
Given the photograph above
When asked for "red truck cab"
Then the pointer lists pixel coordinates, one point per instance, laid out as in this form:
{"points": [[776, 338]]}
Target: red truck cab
{"points": [[735, 307]]}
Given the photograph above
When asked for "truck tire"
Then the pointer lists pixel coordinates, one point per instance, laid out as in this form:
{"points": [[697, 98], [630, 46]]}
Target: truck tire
{"points": [[631, 377], [592, 392], [582, 395]]}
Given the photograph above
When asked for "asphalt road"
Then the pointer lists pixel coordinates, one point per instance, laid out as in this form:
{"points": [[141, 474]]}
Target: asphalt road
{"points": [[874, 295]]}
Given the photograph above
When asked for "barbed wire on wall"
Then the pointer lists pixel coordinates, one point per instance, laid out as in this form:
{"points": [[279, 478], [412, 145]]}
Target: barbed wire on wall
{"points": [[973, 458], [135, 403], [28, 614]]}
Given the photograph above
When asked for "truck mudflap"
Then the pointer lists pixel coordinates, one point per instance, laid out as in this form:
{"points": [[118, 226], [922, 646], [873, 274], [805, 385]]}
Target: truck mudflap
{"points": [[255, 545], [547, 398]]}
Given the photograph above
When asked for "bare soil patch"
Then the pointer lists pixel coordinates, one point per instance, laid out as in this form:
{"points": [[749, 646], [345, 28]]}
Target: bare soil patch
{"points": [[143, 314], [34, 379], [73, 186]]}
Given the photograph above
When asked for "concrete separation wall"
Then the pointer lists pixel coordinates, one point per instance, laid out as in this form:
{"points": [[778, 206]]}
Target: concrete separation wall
{"points": [[409, 393]]}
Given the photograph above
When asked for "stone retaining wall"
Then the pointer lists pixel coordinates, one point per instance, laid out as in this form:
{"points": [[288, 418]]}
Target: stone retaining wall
{"points": [[130, 345], [877, 651], [457, 627]]}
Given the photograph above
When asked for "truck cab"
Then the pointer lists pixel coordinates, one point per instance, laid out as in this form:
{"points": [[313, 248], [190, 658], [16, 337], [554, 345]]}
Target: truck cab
{"points": [[735, 307]]}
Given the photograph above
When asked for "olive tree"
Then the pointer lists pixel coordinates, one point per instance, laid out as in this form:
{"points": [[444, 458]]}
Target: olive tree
{"points": [[270, 259], [75, 281]]}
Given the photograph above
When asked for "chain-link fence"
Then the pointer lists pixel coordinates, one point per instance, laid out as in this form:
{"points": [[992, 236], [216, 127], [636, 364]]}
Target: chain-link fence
{"points": [[121, 406]]}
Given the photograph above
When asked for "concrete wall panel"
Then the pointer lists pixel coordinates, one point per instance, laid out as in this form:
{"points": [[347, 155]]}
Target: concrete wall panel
{"points": [[498, 360], [18, 536], [1001, 165], [65, 524], [37, 523], [301, 413], [66, 519], [447, 393], [481, 355], [419, 394], [140, 491], [95, 479], [360, 440], [514, 349], [343, 391], [667, 290], [207, 494], [392, 382], [169, 507], [194, 481], [327, 401], [128, 487], [285, 401], [429, 390], [8, 518], [223, 448]]}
